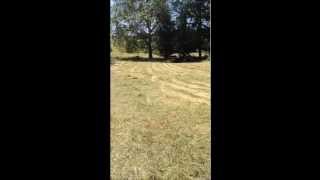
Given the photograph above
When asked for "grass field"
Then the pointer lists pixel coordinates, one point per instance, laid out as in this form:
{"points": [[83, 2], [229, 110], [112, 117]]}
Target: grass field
{"points": [[160, 120]]}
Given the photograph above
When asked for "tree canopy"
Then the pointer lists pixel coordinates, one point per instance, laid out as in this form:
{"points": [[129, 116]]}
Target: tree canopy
{"points": [[169, 26]]}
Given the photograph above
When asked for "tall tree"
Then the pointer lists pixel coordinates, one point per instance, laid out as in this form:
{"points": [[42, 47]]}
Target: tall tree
{"points": [[199, 13], [172, 25], [165, 32], [183, 41], [136, 18]]}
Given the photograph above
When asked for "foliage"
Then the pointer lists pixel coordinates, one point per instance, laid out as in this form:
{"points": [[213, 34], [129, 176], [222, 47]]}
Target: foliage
{"points": [[167, 26], [165, 32]]}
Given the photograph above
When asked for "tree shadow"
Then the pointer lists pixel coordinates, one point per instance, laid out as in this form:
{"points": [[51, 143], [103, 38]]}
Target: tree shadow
{"points": [[189, 59], [141, 59]]}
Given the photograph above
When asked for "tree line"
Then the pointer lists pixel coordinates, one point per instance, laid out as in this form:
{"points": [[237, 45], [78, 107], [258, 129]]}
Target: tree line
{"points": [[167, 26]]}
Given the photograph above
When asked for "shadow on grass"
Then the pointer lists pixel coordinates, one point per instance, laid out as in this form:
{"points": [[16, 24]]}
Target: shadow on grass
{"points": [[189, 59]]}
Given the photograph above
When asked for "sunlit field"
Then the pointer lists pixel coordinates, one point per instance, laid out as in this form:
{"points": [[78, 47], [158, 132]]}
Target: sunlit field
{"points": [[160, 119]]}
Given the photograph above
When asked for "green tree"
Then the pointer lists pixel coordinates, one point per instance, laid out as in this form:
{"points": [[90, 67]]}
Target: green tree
{"points": [[165, 31], [199, 13], [184, 40], [135, 19], [165, 25]]}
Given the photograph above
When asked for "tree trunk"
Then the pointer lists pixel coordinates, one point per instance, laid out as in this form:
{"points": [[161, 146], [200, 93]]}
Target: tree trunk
{"points": [[149, 48], [200, 32]]}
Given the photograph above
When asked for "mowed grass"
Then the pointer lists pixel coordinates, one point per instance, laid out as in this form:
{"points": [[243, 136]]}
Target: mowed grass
{"points": [[160, 120]]}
